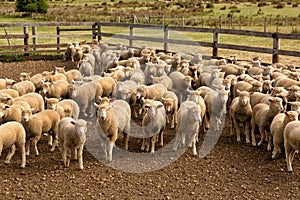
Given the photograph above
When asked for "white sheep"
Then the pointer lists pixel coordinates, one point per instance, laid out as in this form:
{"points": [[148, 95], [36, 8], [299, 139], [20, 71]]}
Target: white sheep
{"points": [[108, 85], [65, 107], [276, 129], [35, 101], [170, 101], [13, 134], [262, 116], [45, 121], [72, 136], [164, 80], [10, 92], [49, 77], [57, 89], [155, 91], [25, 76], [180, 84], [291, 136], [86, 68], [154, 124], [113, 119], [72, 75], [240, 115], [10, 113], [23, 87], [189, 118]]}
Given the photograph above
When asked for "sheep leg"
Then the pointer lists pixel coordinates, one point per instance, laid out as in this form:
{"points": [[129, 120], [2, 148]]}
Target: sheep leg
{"points": [[147, 144], [143, 144], [253, 135], [64, 156], [232, 127], [50, 140], [28, 147], [262, 135], [247, 132], [126, 137], [80, 159], [269, 147], [10, 154], [23, 154], [193, 144], [75, 154], [277, 149], [68, 157], [177, 141], [110, 149], [161, 134], [35, 141], [288, 155], [153, 141], [55, 142]]}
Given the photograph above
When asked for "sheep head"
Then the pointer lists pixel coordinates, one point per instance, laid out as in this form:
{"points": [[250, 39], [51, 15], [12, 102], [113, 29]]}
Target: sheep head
{"points": [[26, 114], [101, 110], [169, 104], [244, 97], [276, 104], [3, 107], [51, 103], [196, 112]]}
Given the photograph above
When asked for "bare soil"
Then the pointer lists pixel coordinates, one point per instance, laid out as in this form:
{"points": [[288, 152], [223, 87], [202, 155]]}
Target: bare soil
{"points": [[230, 171]]}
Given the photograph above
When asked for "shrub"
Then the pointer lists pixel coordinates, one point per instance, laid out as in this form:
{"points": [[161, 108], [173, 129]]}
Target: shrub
{"points": [[29, 7], [210, 5], [280, 5]]}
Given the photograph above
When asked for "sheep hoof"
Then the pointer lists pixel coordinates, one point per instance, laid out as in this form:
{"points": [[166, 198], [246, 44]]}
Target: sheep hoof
{"points": [[6, 162], [253, 144]]}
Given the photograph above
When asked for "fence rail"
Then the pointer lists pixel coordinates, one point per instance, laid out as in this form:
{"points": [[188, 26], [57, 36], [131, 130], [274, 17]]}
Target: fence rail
{"points": [[95, 31]]}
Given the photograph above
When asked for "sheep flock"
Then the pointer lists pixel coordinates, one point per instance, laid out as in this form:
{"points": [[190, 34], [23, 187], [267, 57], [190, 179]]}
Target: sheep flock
{"points": [[114, 85]]}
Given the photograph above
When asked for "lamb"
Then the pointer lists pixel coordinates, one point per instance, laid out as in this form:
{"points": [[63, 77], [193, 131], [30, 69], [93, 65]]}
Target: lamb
{"points": [[49, 77], [37, 81], [113, 118], [25, 76], [180, 84], [195, 96], [215, 107], [136, 75], [232, 69], [85, 95], [291, 137], [24, 87], [170, 101], [244, 86], [65, 107], [276, 128], [35, 125], [72, 136], [11, 92], [262, 115], [154, 124], [240, 114], [35, 101], [13, 134], [286, 83], [189, 118], [57, 89]]}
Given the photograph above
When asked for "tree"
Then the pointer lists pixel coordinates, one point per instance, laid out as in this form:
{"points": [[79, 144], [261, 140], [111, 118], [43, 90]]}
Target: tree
{"points": [[31, 6]]}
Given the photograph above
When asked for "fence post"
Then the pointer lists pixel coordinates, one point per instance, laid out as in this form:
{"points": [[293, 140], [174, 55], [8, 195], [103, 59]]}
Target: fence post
{"points": [[276, 47], [99, 33], [94, 31], [26, 40], [34, 37], [265, 25], [58, 38], [130, 36], [215, 42], [182, 21], [166, 38]]}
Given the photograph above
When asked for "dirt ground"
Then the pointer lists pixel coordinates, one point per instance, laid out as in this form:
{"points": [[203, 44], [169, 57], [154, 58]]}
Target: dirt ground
{"points": [[230, 171]]}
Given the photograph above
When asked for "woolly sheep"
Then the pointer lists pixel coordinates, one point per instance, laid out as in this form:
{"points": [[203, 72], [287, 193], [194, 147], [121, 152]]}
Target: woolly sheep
{"points": [[180, 84], [108, 85], [154, 124], [23, 87], [149, 70], [244, 86], [10, 92], [49, 77], [113, 119], [276, 129], [262, 115], [85, 95], [291, 135], [155, 91], [10, 113], [25, 76], [65, 107], [35, 101], [45, 121], [36, 79], [13, 134], [189, 118], [72, 136], [86, 68], [164, 80], [170, 101], [57, 89], [72, 75], [240, 114]]}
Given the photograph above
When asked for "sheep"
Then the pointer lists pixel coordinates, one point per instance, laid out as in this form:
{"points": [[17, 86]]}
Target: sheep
{"points": [[36, 79], [57, 89], [240, 114], [244, 86], [189, 118], [291, 137], [262, 115], [180, 84], [136, 75], [72, 136], [65, 107], [286, 83], [49, 77], [85, 95], [25, 76], [72, 75], [170, 101], [113, 118], [276, 129], [256, 98], [35, 101], [10, 113], [24, 87], [155, 91], [232, 69], [11, 92], [195, 96], [154, 124], [45, 121], [9, 82], [164, 80], [86, 68], [116, 74], [13, 134], [108, 85], [194, 58], [149, 70], [215, 107]]}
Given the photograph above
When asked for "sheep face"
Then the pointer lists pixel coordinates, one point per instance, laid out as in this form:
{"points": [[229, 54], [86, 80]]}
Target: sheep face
{"points": [[45, 87], [295, 106], [196, 111], [169, 104], [2, 110], [51, 103], [125, 94], [227, 84], [160, 70], [292, 116], [5, 99], [167, 68], [60, 70], [81, 128], [244, 98], [188, 81], [141, 91], [26, 114], [152, 109], [25, 76], [276, 104], [102, 111]]}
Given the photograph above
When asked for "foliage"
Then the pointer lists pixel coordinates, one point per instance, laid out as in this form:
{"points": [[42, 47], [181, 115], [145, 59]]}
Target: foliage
{"points": [[31, 6]]}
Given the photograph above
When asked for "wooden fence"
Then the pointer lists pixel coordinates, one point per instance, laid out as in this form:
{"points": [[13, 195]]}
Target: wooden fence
{"points": [[95, 31]]}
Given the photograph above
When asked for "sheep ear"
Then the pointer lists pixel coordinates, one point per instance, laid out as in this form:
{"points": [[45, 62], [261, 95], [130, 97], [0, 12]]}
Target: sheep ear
{"points": [[238, 91], [96, 105], [160, 106], [6, 106], [32, 109], [73, 122]]}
